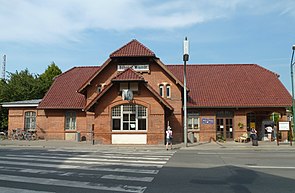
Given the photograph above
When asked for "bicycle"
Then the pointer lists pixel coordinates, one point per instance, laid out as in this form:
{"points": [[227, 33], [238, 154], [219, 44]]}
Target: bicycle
{"points": [[30, 135], [17, 134]]}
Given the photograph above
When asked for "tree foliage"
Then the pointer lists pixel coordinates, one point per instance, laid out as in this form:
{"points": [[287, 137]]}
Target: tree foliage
{"points": [[24, 85]]}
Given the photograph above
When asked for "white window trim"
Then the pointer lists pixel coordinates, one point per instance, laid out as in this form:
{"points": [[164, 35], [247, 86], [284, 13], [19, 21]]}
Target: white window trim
{"points": [[161, 88], [168, 86], [136, 120]]}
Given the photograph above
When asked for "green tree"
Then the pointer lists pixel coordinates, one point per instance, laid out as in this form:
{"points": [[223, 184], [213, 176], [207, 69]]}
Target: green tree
{"points": [[25, 86], [46, 79], [21, 86]]}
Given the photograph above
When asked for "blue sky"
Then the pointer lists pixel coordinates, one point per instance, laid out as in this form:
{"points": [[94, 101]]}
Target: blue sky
{"points": [[84, 32]]}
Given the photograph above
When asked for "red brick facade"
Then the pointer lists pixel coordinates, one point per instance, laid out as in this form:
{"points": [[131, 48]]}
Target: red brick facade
{"points": [[91, 94]]}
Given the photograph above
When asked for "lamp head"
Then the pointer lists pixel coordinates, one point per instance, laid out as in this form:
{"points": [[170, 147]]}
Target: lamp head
{"points": [[293, 47], [185, 46]]}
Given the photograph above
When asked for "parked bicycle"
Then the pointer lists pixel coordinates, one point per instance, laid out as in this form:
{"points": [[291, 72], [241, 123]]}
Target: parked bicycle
{"points": [[20, 134]]}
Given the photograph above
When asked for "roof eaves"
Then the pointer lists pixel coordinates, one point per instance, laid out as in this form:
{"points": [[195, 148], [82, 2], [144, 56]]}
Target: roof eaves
{"points": [[159, 97], [170, 73], [88, 82], [98, 97]]}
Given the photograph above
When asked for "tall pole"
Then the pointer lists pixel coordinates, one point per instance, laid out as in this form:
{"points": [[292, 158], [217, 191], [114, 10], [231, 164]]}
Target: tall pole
{"points": [[185, 59], [292, 85]]}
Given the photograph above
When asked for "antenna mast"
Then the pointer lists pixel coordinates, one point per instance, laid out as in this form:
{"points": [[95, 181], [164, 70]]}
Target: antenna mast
{"points": [[4, 67]]}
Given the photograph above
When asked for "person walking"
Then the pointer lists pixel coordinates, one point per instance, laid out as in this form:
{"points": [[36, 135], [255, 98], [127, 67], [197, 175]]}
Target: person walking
{"points": [[253, 136], [169, 137]]}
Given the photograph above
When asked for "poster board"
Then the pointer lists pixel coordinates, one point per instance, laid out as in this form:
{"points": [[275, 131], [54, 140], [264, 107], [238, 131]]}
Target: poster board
{"points": [[284, 128]]}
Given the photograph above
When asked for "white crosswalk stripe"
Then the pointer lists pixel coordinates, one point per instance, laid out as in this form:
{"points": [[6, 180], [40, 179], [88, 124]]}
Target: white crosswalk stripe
{"points": [[112, 170]]}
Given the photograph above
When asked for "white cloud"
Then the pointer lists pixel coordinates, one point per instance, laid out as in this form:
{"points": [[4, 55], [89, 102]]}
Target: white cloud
{"points": [[54, 20]]}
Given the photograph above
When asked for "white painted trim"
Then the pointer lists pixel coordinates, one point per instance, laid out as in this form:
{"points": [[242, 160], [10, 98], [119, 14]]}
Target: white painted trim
{"points": [[20, 105], [129, 139]]}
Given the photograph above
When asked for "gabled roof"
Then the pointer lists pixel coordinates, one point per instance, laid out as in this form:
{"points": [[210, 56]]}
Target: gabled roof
{"points": [[157, 95], [128, 75], [63, 92], [233, 85], [133, 49], [105, 89]]}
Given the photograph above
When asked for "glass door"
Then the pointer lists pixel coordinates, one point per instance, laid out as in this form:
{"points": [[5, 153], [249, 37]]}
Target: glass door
{"points": [[224, 129]]}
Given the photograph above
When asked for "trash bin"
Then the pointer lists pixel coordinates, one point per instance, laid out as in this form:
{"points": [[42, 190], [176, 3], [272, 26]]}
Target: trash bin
{"points": [[78, 135]]}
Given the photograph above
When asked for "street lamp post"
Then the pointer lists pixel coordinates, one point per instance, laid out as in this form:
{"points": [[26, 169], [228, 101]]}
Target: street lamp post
{"points": [[185, 59], [292, 84]]}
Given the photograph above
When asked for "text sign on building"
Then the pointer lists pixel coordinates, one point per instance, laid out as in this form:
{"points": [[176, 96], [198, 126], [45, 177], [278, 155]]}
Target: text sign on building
{"points": [[207, 121], [284, 126], [136, 67]]}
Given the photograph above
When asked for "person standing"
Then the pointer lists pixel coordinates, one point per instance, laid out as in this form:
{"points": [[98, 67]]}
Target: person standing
{"points": [[253, 133], [169, 137], [269, 132], [254, 137]]}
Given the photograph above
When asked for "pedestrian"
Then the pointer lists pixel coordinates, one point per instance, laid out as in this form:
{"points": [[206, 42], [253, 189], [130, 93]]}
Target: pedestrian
{"points": [[269, 132], [253, 133], [254, 137], [169, 137]]}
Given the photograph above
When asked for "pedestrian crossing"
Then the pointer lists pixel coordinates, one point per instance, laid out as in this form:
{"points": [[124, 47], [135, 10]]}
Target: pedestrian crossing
{"points": [[105, 170]]}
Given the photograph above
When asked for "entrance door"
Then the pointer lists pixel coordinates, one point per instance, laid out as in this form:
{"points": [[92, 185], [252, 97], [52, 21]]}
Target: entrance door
{"points": [[224, 129]]}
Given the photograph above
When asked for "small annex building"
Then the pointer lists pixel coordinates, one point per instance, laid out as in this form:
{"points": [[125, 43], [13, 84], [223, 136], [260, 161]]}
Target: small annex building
{"points": [[133, 96]]}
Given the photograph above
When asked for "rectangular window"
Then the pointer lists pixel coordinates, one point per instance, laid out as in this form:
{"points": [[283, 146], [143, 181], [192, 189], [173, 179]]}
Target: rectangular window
{"points": [[161, 90], [116, 124], [70, 120], [193, 121], [129, 117], [30, 120], [168, 91]]}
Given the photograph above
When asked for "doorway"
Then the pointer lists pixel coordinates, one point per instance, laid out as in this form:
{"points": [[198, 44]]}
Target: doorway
{"points": [[224, 129]]}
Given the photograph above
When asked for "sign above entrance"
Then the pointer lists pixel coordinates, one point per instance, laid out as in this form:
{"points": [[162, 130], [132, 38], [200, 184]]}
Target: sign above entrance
{"points": [[136, 67]]}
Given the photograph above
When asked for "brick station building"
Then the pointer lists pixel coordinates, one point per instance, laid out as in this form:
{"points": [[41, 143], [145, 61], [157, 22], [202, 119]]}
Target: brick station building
{"points": [[133, 96]]}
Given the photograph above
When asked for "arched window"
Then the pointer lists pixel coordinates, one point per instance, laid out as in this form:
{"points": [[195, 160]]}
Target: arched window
{"points": [[30, 120], [161, 90], [168, 91], [129, 117], [70, 120]]}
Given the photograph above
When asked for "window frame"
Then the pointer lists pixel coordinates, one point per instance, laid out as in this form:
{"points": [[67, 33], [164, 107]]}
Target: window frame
{"points": [[131, 117], [194, 119], [161, 90], [30, 120], [168, 91], [70, 121]]}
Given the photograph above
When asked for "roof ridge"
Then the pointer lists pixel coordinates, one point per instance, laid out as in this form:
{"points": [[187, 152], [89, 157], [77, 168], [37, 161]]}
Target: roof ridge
{"points": [[132, 48]]}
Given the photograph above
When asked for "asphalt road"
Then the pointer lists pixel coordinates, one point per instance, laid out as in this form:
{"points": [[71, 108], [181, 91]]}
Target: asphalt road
{"points": [[104, 170], [31, 170], [227, 171]]}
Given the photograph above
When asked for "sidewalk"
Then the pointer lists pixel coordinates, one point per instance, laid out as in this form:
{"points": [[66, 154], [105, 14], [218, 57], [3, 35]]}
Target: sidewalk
{"points": [[62, 144], [232, 145]]}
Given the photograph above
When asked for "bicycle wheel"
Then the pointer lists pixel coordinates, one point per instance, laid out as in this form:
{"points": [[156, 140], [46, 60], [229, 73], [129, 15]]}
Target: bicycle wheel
{"points": [[34, 136], [14, 136], [28, 136]]}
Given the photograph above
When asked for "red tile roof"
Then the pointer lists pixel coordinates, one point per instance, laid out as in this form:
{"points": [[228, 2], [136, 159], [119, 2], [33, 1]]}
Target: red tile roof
{"points": [[128, 75], [133, 49], [236, 85], [63, 92]]}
